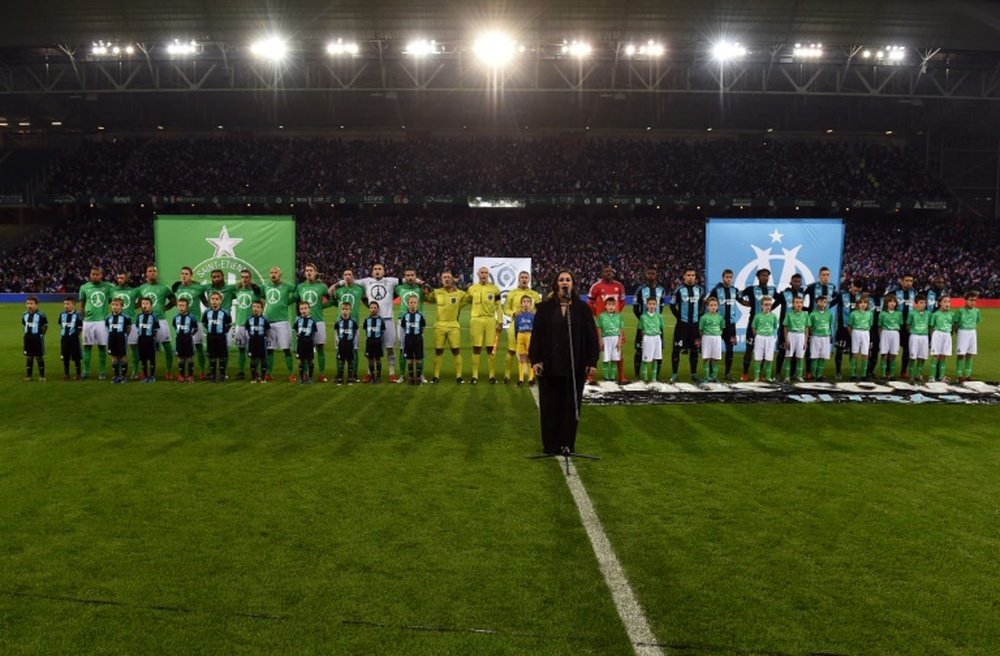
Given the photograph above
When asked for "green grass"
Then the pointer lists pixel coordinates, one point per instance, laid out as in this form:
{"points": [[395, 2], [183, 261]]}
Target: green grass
{"points": [[287, 519]]}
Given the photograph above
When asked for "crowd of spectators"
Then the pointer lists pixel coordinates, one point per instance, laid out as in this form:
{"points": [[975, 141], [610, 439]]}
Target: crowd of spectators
{"points": [[966, 252], [759, 168]]}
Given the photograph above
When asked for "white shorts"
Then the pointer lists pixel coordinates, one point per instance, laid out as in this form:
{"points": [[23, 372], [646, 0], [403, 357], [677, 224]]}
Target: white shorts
{"points": [[888, 342], [763, 347], [95, 333], [319, 339], [711, 347], [611, 352], [819, 347], [163, 332], [966, 342], [941, 343], [918, 347], [133, 336], [240, 337], [795, 345], [652, 348], [861, 342], [389, 337], [279, 337]]}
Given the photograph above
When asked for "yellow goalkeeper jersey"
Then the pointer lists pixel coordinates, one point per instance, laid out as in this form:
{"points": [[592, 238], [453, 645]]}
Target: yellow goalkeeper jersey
{"points": [[485, 301], [512, 304], [449, 303]]}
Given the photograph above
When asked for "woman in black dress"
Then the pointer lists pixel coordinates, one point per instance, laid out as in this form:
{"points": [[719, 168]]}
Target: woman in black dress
{"points": [[563, 352]]}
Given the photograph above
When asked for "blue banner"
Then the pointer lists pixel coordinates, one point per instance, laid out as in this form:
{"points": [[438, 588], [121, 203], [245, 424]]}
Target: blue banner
{"points": [[784, 246]]}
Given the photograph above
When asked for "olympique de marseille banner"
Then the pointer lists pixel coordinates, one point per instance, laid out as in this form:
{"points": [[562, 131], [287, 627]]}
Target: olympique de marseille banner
{"points": [[230, 243], [503, 272], [784, 246]]}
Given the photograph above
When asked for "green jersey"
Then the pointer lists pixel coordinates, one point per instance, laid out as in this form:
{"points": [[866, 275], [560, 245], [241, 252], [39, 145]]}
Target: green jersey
{"points": [[890, 320], [128, 296], [404, 291], [942, 320], [651, 325], [353, 294], [919, 322], [158, 294], [711, 324], [192, 294], [228, 295], [820, 323], [277, 298], [797, 322], [860, 320], [244, 297], [610, 323], [968, 318], [765, 324], [313, 293], [97, 298]]}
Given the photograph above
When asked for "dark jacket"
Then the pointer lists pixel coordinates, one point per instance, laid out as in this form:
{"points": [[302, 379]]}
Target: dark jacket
{"points": [[544, 341]]}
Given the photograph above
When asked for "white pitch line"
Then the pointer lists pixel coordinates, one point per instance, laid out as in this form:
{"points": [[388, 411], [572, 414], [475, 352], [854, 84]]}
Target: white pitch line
{"points": [[643, 640]]}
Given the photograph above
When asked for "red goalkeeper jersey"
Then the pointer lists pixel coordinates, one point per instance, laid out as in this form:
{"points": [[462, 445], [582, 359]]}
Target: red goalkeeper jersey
{"points": [[601, 291]]}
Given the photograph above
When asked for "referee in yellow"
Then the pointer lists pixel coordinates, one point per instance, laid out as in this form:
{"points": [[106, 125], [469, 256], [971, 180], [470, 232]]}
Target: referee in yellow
{"points": [[449, 300], [511, 306], [487, 320]]}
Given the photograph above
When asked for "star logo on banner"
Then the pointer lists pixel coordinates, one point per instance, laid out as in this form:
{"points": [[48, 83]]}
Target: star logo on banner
{"points": [[776, 236], [224, 244]]}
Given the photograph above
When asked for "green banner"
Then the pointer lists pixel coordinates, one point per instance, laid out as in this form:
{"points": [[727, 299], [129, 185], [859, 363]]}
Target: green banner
{"points": [[230, 243]]}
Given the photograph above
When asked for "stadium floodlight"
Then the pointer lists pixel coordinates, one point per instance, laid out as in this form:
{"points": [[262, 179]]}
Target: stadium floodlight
{"points": [[808, 50], [649, 49], [896, 53], [578, 49], [182, 49], [725, 51], [339, 47], [272, 48], [24, 124], [422, 48], [866, 54], [58, 124], [102, 48], [494, 48]]}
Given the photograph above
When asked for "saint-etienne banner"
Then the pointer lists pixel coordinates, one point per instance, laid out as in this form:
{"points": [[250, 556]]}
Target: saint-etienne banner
{"points": [[503, 272], [229, 243], [784, 246]]}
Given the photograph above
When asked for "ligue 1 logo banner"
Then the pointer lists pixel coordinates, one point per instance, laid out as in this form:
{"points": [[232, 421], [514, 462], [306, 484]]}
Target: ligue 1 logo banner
{"points": [[228, 243], [503, 272], [784, 246]]}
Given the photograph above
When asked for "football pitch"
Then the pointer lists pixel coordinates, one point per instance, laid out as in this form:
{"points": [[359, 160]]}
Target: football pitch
{"points": [[177, 519]]}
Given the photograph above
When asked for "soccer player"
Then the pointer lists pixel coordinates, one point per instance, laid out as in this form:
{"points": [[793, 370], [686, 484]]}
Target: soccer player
{"points": [[935, 293], [792, 292], [218, 284], [726, 295], [524, 323], [95, 295], [346, 330], [889, 321], [278, 295], [651, 329], [753, 298], [711, 327], [820, 332], [796, 327], [148, 326], [649, 289], [315, 293], [161, 299], [374, 328], [847, 301], [484, 327], [348, 291], [449, 300], [605, 288], [70, 327], [967, 319], [306, 329], [765, 330], [511, 306], [185, 328], [611, 330], [686, 308], [119, 328], [859, 326], [35, 326], [381, 289], [919, 324], [906, 296], [189, 290], [411, 327], [942, 325], [257, 329], [245, 293], [129, 296], [217, 323]]}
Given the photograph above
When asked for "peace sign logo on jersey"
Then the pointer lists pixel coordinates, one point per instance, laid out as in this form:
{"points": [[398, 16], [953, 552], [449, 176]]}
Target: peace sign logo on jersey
{"points": [[378, 292], [153, 298], [310, 297], [273, 295], [97, 299]]}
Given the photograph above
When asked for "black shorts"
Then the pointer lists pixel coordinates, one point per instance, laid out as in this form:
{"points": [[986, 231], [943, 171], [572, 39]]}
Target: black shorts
{"points": [[749, 337], [184, 346], [413, 347], [34, 347], [117, 345], [69, 347], [373, 347], [257, 346], [304, 348], [345, 350], [728, 336], [147, 347], [216, 346], [685, 335], [638, 343], [843, 341]]}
